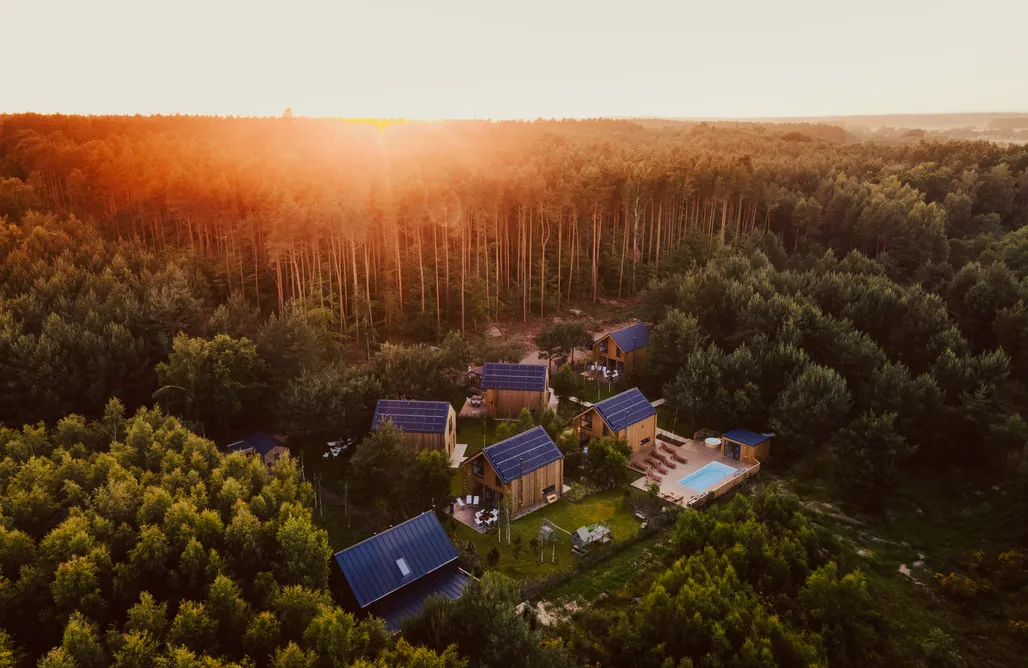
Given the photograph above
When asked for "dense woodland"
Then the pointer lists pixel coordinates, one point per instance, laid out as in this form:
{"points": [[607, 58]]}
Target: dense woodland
{"points": [[867, 301]]}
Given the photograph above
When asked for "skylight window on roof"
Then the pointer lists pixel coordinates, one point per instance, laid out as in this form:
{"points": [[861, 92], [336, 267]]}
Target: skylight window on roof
{"points": [[404, 568]]}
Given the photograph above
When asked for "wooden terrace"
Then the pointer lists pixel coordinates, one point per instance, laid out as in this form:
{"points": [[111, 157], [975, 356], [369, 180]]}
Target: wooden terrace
{"points": [[681, 456]]}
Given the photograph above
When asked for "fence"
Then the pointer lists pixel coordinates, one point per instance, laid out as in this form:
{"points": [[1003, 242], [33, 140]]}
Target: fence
{"points": [[536, 588], [724, 487]]}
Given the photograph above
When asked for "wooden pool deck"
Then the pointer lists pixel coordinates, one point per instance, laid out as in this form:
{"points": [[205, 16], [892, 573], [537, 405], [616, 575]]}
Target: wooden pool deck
{"points": [[696, 455]]}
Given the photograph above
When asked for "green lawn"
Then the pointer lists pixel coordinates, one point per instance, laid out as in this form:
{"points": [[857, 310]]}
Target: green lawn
{"points": [[608, 507], [598, 391], [477, 433]]}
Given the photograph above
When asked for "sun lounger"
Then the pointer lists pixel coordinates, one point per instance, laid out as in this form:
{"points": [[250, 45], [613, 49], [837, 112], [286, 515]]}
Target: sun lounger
{"points": [[667, 448], [653, 476], [679, 458]]}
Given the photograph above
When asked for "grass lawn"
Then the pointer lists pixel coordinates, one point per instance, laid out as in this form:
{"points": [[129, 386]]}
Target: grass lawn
{"points": [[476, 433], [608, 507], [596, 391]]}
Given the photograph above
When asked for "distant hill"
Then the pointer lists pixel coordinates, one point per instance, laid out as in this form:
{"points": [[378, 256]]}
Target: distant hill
{"points": [[1002, 120]]}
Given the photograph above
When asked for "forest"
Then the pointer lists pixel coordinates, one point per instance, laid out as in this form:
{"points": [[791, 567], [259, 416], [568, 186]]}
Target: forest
{"points": [[168, 278]]}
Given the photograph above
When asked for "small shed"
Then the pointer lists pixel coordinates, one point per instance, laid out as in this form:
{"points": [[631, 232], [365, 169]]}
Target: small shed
{"points": [[585, 536], [392, 573], [749, 447], [509, 388], [427, 425], [269, 448], [623, 350]]}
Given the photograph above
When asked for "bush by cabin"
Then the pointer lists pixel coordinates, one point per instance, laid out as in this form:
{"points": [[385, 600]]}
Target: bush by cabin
{"points": [[426, 425], [624, 350], [628, 416], [509, 388]]}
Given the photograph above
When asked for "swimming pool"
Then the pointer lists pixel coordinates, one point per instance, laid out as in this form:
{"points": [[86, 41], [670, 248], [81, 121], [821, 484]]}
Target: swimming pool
{"points": [[707, 477]]}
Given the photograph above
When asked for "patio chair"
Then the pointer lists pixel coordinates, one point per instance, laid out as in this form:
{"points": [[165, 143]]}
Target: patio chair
{"points": [[460, 502], [476, 501], [467, 499]]}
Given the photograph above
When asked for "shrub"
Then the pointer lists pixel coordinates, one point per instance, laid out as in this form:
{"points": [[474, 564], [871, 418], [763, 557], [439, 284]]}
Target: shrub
{"points": [[959, 586]]}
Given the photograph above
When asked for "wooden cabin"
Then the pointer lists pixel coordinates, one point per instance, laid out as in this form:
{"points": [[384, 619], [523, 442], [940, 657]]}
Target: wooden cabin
{"points": [[747, 446], [508, 388], [268, 448], [624, 350], [392, 574], [527, 470], [427, 425], [629, 416]]}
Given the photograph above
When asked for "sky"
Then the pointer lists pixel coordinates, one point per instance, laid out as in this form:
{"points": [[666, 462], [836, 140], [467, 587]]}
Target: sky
{"points": [[515, 59]]}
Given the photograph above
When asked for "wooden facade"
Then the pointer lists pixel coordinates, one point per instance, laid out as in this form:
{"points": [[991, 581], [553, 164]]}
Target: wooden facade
{"points": [[508, 403], [608, 353], [525, 493], [444, 442], [747, 454], [639, 436]]}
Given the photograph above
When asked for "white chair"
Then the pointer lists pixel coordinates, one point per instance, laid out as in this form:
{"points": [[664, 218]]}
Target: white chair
{"points": [[467, 499], [476, 501], [460, 502]]}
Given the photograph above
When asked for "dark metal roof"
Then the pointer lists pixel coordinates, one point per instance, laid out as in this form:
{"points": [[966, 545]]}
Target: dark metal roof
{"points": [[500, 376], [625, 409], [447, 582], [427, 417], [371, 567], [258, 441], [522, 454], [632, 337], [746, 436]]}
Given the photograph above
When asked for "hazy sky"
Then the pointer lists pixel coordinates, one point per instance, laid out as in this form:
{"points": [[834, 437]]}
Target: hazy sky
{"points": [[514, 59]]}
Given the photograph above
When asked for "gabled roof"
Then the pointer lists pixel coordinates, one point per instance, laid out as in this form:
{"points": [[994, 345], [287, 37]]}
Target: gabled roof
{"points": [[631, 338], [428, 417], [258, 441], [522, 454], [373, 569], [498, 376], [746, 437], [625, 409], [448, 582]]}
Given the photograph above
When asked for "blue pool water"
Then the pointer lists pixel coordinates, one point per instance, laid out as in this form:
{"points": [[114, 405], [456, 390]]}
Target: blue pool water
{"points": [[707, 477]]}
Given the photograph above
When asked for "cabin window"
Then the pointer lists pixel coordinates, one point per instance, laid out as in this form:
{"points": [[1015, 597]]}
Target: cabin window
{"points": [[549, 490], [401, 563], [587, 421], [478, 467], [603, 347], [606, 431], [451, 424], [644, 441]]}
